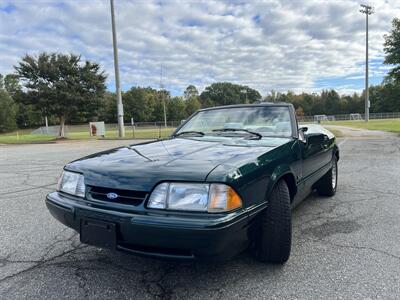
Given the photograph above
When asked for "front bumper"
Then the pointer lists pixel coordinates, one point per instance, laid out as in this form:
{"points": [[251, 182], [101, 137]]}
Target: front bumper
{"points": [[162, 234]]}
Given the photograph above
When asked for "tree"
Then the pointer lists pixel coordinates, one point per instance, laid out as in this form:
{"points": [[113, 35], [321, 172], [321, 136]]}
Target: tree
{"points": [[299, 111], [392, 50], [26, 114], [139, 103], [176, 109], [108, 108], [191, 91], [226, 93], [61, 85], [11, 85], [158, 111], [7, 112], [331, 100], [192, 105]]}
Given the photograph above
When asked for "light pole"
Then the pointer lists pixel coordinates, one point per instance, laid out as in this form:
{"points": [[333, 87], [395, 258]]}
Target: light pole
{"points": [[120, 107], [367, 10]]}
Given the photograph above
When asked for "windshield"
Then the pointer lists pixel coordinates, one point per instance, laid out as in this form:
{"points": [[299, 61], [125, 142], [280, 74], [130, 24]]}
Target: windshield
{"points": [[265, 120]]}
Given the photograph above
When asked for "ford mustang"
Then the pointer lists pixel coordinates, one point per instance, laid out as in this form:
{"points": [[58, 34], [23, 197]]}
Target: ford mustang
{"points": [[226, 180]]}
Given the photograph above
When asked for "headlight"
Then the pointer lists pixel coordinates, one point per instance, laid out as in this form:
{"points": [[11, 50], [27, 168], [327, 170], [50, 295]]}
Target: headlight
{"points": [[212, 197], [71, 183]]}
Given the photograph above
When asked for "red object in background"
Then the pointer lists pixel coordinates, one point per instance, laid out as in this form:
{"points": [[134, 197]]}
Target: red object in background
{"points": [[93, 128]]}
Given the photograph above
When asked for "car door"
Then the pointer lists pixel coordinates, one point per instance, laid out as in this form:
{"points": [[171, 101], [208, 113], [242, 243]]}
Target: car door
{"points": [[315, 152]]}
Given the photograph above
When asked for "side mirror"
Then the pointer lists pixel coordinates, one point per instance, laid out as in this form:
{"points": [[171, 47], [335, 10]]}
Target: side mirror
{"points": [[302, 135], [316, 138]]}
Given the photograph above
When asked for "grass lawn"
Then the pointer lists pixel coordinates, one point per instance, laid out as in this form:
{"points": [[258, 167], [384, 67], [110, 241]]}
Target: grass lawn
{"points": [[24, 136], [142, 133], [390, 125], [14, 138]]}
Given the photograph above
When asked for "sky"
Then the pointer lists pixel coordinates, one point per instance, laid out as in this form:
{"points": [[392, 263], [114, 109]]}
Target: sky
{"points": [[268, 45]]}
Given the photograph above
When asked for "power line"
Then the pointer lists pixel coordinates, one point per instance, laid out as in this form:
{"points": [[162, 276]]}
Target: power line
{"points": [[367, 10]]}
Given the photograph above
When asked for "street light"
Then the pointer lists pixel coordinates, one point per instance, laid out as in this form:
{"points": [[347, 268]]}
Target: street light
{"points": [[120, 107], [367, 10]]}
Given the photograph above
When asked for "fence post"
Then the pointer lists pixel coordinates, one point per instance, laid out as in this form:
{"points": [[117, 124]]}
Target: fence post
{"points": [[159, 131], [133, 128]]}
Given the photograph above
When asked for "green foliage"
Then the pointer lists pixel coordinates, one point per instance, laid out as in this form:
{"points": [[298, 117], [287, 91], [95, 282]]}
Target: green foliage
{"points": [[176, 109], [158, 108], [107, 110], [11, 85], [140, 103], [392, 50], [7, 112], [190, 92], [61, 85], [226, 93], [385, 98], [192, 104], [329, 102]]}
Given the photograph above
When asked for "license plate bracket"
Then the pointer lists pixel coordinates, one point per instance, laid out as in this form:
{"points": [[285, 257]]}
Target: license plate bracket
{"points": [[98, 233]]}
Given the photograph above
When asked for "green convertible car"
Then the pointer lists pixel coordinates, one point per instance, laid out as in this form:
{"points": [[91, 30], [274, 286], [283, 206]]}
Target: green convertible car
{"points": [[225, 181]]}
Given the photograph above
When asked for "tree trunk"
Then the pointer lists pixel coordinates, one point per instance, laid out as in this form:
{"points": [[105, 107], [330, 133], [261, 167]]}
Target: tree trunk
{"points": [[61, 133]]}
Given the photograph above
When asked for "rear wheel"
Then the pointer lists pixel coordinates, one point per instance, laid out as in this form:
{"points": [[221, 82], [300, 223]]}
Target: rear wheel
{"points": [[273, 242], [328, 183]]}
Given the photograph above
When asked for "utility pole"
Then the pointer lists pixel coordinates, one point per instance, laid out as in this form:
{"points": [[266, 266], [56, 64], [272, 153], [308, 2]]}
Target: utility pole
{"points": [[120, 107], [163, 98], [367, 10]]}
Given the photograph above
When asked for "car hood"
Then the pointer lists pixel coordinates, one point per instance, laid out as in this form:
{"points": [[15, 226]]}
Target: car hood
{"points": [[140, 167]]}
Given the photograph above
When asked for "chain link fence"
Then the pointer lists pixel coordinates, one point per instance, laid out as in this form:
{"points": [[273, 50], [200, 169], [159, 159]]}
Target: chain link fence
{"points": [[155, 130], [138, 130], [347, 117]]}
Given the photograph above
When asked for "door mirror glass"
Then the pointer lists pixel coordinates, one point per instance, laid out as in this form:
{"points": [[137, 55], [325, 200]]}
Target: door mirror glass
{"points": [[302, 136]]}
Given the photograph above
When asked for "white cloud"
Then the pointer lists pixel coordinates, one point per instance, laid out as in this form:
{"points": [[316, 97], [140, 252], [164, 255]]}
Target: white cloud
{"points": [[266, 44]]}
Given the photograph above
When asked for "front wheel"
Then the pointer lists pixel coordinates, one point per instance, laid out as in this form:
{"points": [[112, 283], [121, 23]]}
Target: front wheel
{"points": [[328, 183], [273, 242]]}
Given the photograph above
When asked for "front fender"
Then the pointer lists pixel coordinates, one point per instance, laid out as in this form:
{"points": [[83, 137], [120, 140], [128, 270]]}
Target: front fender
{"points": [[279, 172]]}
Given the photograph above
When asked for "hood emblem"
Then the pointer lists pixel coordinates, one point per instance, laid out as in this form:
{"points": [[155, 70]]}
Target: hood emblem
{"points": [[112, 196]]}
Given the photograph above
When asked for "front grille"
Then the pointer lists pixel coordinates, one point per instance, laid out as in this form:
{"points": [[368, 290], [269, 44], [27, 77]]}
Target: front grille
{"points": [[124, 196]]}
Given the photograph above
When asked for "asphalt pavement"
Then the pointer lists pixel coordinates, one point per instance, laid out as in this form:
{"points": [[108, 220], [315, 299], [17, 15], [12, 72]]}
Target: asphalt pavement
{"points": [[344, 247]]}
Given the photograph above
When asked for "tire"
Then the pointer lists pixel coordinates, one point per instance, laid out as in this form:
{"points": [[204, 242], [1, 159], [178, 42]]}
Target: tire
{"points": [[327, 185], [273, 242]]}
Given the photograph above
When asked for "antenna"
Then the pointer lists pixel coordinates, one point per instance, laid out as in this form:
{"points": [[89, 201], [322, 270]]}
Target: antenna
{"points": [[162, 95]]}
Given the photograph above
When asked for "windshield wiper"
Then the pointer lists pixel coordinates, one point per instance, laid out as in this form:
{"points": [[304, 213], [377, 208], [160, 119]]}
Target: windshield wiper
{"points": [[238, 129], [199, 133]]}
